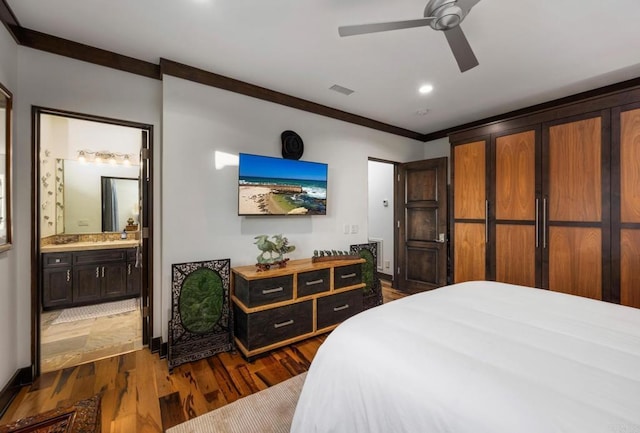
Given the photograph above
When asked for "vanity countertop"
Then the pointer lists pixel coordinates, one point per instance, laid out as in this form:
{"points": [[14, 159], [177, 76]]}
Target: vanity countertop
{"points": [[87, 246]]}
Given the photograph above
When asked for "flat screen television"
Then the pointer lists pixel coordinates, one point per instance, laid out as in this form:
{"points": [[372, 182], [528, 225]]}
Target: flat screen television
{"points": [[276, 186]]}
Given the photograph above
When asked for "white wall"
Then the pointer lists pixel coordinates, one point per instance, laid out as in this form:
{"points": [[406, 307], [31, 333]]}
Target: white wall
{"points": [[200, 220], [53, 81], [437, 148], [381, 224], [9, 362]]}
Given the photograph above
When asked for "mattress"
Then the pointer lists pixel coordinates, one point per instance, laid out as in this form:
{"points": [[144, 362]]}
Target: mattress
{"points": [[478, 357]]}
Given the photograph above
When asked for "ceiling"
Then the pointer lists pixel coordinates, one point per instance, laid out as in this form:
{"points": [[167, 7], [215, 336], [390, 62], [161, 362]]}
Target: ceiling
{"points": [[530, 51]]}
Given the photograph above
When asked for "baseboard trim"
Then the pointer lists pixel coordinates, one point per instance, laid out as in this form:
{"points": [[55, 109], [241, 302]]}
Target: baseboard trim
{"points": [[156, 343], [384, 276], [23, 376]]}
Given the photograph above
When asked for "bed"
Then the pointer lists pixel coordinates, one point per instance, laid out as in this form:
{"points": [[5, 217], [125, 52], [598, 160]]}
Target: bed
{"points": [[478, 357]]}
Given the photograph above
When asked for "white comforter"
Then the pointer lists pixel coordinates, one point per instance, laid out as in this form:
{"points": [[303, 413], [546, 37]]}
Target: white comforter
{"points": [[478, 357]]}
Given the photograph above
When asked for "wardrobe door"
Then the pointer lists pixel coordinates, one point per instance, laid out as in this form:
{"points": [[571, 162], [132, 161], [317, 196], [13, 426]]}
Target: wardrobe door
{"points": [[469, 211], [516, 208], [576, 206], [629, 224]]}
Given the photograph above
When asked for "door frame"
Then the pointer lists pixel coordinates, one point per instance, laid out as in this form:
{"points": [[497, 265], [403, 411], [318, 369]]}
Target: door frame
{"points": [[395, 164], [396, 241], [147, 205]]}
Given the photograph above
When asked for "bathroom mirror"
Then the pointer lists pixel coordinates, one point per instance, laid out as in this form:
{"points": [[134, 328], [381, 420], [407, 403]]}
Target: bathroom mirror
{"points": [[5, 168], [82, 209], [119, 203]]}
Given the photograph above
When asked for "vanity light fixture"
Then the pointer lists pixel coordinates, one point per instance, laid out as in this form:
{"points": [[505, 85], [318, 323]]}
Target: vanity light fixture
{"points": [[101, 156]]}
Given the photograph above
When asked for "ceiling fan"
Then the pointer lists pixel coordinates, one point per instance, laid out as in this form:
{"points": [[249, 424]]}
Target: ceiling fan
{"points": [[443, 15]]}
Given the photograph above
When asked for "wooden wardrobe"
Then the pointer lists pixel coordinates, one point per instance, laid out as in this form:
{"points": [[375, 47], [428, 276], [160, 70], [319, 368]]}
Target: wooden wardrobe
{"points": [[552, 199]]}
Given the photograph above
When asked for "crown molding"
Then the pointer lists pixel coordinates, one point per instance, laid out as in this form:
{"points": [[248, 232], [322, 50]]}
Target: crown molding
{"points": [[186, 72]]}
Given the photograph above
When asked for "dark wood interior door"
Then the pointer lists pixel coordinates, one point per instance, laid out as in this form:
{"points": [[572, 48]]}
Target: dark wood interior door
{"points": [[421, 214]]}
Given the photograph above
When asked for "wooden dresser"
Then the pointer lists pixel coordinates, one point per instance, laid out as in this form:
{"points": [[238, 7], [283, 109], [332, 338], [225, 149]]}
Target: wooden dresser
{"points": [[281, 306]]}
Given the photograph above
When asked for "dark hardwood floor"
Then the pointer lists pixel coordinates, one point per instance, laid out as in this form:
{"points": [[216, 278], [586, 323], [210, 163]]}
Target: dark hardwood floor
{"points": [[139, 395]]}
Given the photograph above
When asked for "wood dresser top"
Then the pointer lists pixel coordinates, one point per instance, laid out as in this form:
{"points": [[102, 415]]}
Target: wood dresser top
{"points": [[250, 272]]}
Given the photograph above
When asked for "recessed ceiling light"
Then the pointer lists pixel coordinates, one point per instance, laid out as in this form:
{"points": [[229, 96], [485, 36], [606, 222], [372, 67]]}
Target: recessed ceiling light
{"points": [[427, 88]]}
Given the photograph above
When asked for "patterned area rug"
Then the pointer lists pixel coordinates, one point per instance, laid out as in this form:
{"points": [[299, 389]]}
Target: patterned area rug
{"points": [[99, 310], [82, 417], [268, 411]]}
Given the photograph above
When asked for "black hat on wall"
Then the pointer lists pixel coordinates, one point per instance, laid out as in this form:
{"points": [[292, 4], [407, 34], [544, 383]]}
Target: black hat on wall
{"points": [[292, 145]]}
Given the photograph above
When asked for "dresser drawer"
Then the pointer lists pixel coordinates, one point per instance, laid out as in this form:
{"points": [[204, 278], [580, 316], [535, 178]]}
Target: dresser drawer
{"points": [[345, 276], [337, 308], [50, 260], [313, 282], [256, 330], [254, 293]]}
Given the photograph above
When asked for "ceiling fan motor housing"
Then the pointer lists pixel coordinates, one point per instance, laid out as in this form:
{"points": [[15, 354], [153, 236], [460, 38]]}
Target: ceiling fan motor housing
{"points": [[446, 13]]}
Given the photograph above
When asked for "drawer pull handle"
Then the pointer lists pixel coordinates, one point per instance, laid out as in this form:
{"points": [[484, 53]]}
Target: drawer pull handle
{"points": [[281, 324], [68, 275], [314, 282], [269, 291], [343, 307], [345, 276]]}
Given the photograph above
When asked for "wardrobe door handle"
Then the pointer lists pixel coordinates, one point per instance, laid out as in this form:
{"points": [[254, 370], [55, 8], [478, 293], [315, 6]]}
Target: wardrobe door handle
{"points": [[544, 222], [97, 271], [129, 269], [103, 272], [537, 222], [486, 221], [68, 275]]}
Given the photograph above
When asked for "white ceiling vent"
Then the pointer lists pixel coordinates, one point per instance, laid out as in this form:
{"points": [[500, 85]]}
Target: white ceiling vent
{"points": [[341, 89]]}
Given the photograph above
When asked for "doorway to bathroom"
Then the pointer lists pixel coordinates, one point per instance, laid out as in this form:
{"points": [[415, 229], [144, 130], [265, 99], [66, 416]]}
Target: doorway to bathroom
{"points": [[92, 217]]}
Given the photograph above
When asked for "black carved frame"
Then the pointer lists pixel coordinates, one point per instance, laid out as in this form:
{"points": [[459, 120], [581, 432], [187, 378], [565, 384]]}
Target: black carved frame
{"points": [[184, 345], [375, 298]]}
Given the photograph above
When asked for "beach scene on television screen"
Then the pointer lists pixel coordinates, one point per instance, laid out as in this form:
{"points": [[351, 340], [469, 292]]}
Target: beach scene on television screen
{"points": [[273, 186]]}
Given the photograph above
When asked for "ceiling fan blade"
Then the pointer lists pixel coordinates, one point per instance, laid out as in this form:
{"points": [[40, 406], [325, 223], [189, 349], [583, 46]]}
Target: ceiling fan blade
{"points": [[361, 29], [461, 49], [466, 5]]}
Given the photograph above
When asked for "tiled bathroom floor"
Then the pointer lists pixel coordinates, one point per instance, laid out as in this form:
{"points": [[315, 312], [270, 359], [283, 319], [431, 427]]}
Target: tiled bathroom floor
{"points": [[68, 344]]}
